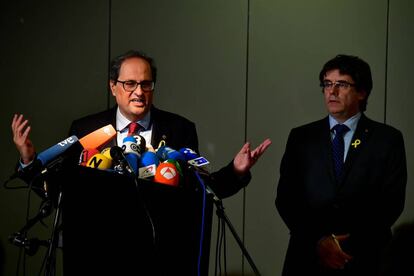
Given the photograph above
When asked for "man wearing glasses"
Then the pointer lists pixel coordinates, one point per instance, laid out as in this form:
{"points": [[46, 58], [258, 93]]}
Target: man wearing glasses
{"points": [[132, 81], [342, 180]]}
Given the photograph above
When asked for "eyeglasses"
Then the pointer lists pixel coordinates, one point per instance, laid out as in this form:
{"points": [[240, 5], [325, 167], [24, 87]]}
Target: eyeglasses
{"points": [[341, 85], [131, 85]]}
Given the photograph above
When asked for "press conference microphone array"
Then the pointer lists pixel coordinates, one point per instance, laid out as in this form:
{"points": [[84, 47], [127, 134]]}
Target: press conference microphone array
{"points": [[122, 159], [137, 158]]}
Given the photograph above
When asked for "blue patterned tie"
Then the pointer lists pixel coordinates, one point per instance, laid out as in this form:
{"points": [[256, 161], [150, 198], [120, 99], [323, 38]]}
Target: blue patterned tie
{"points": [[338, 148]]}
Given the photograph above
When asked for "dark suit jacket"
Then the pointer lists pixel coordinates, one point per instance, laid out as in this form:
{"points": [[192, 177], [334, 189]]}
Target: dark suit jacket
{"points": [[178, 132], [365, 204]]}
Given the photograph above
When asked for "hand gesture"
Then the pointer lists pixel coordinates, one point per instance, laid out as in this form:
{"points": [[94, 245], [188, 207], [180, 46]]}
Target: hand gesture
{"points": [[245, 158], [21, 129]]}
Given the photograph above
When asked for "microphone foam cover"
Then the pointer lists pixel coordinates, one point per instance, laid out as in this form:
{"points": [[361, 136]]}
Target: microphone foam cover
{"points": [[167, 174], [107, 153], [148, 164], [142, 144], [129, 146], [98, 137], [165, 153], [176, 164], [132, 160], [87, 154], [148, 158], [188, 153], [99, 161]]}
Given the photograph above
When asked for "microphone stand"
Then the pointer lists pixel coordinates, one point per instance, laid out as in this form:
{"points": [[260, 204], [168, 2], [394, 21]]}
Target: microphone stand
{"points": [[31, 245], [222, 215], [54, 239]]}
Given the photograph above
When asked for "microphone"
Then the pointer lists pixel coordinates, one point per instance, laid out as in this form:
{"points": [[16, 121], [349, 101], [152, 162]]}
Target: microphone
{"points": [[193, 158], [164, 153], [197, 164], [93, 141], [147, 164], [189, 154], [45, 158], [98, 138], [141, 143], [132, 152], [107, 153], [120, 162], [86, 155], [167, 173], [149, 147], [55, 151], [30, 245], [99, 161], [176, 163]]}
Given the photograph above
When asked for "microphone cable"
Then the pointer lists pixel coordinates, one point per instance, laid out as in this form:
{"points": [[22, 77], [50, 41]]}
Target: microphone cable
{"points": [[200, 253], [147, 213], [118, 156]]}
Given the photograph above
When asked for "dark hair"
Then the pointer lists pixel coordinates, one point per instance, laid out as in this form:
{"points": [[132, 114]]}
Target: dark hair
{"points": [[355, 67], [116, 63]]}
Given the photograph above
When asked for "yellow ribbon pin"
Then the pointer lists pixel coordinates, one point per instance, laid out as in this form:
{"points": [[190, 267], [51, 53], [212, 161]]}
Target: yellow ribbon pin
{"points": [[356, 143]]}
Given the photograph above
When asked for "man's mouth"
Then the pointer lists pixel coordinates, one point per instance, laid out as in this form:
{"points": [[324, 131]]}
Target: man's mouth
{"points": [[137, 100]]}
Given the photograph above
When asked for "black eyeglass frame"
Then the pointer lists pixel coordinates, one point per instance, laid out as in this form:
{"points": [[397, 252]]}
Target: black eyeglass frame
{"points": [[146, 85], [336, 84]]}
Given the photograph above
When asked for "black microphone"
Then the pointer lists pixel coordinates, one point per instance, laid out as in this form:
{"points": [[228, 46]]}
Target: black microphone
{"points": [[120, 162], [30, 245]]}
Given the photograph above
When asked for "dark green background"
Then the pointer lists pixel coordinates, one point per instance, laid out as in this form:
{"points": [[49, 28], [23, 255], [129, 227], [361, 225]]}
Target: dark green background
{"points": [[241, 70]]}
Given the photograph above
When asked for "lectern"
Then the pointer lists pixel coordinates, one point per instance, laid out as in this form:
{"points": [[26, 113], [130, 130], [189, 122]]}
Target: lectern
{"points": [[112, 225]]}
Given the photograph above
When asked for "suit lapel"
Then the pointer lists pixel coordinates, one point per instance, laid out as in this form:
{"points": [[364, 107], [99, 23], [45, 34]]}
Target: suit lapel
{"points": [[159, 130], [326, 149], [358, 142]]}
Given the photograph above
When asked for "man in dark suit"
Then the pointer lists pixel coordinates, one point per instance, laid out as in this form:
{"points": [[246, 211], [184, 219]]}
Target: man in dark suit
{"points": [[340, 217], [132, 81]]}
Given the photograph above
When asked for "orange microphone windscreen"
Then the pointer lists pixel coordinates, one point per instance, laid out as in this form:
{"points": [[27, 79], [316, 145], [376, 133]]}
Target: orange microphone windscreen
{"points": [[98, 138]]}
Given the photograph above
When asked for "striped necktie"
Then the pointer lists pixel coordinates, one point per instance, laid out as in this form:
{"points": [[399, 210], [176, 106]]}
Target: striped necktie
{"points": [[338, 149]]}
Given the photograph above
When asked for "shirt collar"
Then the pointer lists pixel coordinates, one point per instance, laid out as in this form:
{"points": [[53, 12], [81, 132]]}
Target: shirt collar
{"points": [[351, 122], [122, 122]]}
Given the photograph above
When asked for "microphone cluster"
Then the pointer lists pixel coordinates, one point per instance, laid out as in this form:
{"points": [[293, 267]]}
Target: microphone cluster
{"points": [[139, 159], [135, 157]]}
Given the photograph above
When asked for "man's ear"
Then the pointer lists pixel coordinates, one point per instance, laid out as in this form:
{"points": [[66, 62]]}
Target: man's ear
{"points": [[362, 95], [112, 86]]}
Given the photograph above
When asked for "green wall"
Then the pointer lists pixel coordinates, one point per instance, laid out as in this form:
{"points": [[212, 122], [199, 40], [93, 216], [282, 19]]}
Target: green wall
{"points": [[239, 69]]}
